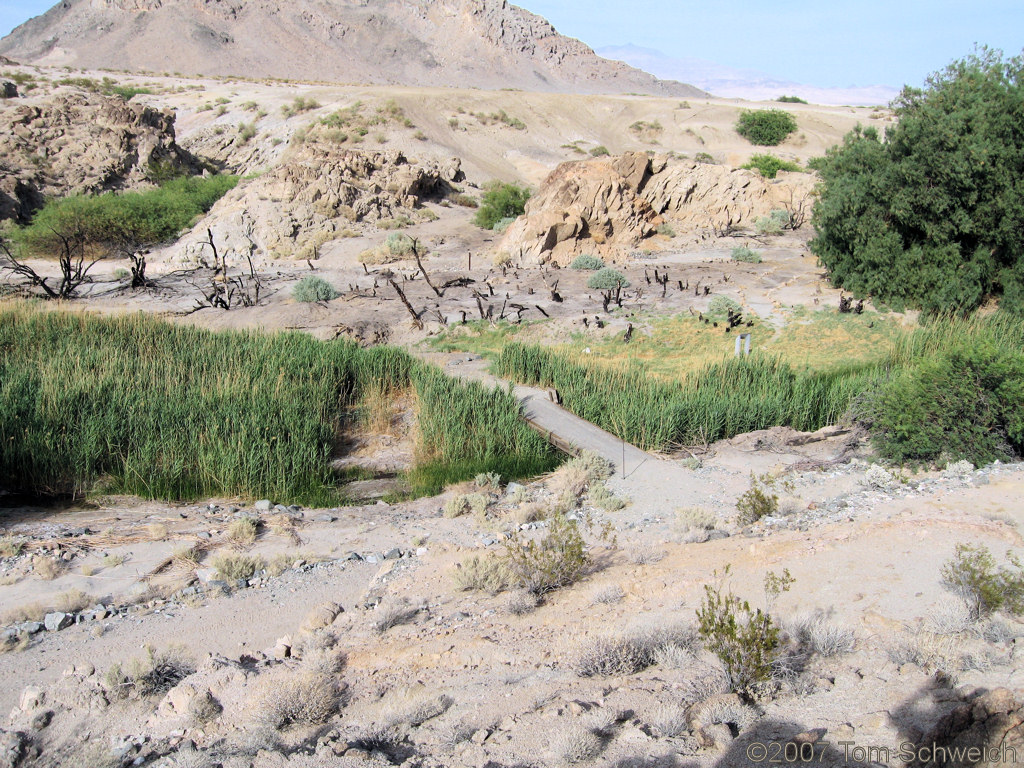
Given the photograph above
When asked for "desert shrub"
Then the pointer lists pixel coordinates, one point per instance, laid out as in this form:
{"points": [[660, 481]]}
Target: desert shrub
{"points": [[575, 742], [765, 127], [815, 634], [791, 100], [311, 289], [600, 497], [610, 283], [607, 595], [11, 546], [600, 151], [745, 255], [490, 480], [769, 165], [973, 574], [390, 614], [305, 699], [484, 574], [246, 132], [243, 531], [150, 674], [521, 602], [557, 560], [929, 217], [666, 229], [587, 262], [629, 653], [721, 307], [463, 503], [500, 201], [203, 707], [758, 501], [704, 158], [234, 567], [668, 720], [299, 105], [501, 226], [745, 640], [964, 403]]}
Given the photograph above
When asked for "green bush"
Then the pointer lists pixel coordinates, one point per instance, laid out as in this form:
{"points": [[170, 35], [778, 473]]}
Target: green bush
{"points": [[310, 289], [746, 255], [758, 501], [501, 201], [770, 165], [125, 221], [557, 560], [765, 127], [607, 279], [931, 217], [600, 151], [964, 403], [587, 262], [791, 100], [972, 574], [704, 157], [745, 640], [720, 307]]}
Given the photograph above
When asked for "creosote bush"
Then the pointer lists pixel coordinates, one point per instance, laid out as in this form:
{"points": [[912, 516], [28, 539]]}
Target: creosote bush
{"points": [[745, 640], [973, 574], [311, 289], [758, 501], [557, 560], [765, 127]]}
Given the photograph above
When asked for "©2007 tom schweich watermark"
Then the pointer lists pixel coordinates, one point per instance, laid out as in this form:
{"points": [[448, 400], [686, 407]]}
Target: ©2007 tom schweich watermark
{"points": [[807, 753]]}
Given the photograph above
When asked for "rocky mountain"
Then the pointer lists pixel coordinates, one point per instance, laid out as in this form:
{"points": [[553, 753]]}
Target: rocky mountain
{"points": [[467, 43]]}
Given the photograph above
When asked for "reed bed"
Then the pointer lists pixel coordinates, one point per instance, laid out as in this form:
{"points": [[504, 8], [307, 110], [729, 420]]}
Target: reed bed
{"points": [[722, 400], [135, 405]]}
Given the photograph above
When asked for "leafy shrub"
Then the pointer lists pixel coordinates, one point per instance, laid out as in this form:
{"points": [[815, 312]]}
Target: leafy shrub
{"points": [[705, 158], [311, 289], [587, 262], [557, 560], [607, 279], [973, 574], [758, 501], [770, 165], [765, 127], [600, 151], [746, 255], [500, 201], [929, 217], [745, 640], [666, 229], [791, 100], [116, 222], [965, 403], [502, 225]]}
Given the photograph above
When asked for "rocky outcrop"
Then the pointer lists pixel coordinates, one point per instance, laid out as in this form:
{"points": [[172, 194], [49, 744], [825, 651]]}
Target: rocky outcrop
{"points": [[462, 43], [317, 192], [990, 723], [80, 143], [610, 205]]}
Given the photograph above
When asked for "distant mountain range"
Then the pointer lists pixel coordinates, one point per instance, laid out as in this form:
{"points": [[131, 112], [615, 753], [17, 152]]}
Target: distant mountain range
{"points": [[742, 83], [463, 43]]}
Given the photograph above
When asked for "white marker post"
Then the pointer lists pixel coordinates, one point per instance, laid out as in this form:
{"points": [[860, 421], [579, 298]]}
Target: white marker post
{"points": [[741, 338]]}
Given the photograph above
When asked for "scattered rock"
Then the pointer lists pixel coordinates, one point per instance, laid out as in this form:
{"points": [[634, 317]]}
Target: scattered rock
{"points": [[263, 505], [56, 621]]}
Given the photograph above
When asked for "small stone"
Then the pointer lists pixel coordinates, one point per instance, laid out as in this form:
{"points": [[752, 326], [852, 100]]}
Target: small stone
{"points": [[31, 698], [480, 736], [371, 559], [263, 505], [353, 556], [383, 503], [421, 551], [325, 518], [32, 627], [393, 554], [203, 535]]}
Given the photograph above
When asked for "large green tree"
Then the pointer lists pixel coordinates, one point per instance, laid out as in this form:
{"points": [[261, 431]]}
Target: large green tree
{"points": [[932, 216]]}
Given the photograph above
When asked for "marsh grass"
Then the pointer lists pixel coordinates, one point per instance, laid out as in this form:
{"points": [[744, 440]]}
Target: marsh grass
{"points": [[135, 405]]}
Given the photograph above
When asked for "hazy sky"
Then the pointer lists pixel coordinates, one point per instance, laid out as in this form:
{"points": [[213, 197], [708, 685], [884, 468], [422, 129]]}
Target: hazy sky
{"points": [[868, 42]]}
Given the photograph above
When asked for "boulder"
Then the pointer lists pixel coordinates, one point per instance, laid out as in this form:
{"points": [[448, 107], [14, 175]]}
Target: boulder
{"points": [[608, 206], [56, 621], [79, 143], [990, 721]]}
